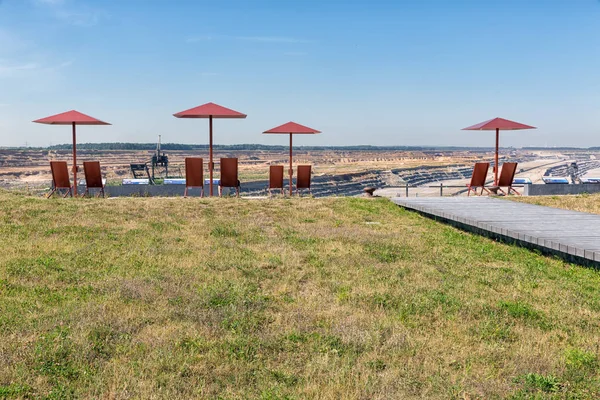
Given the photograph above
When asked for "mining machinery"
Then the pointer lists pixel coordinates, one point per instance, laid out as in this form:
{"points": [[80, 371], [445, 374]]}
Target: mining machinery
{"points": [[159, 166]]}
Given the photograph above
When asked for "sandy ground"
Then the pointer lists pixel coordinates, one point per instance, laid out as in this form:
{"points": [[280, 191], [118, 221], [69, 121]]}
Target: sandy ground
{"points": [[30, 168], [534, 170], [20, 168], [593, 173]]}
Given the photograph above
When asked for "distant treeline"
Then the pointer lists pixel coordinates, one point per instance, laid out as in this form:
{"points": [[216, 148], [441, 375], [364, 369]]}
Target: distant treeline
{"points": [[260, 147], [180, 146]]}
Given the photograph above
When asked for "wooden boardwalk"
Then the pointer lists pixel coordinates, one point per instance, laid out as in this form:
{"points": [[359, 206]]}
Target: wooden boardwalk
{"points": [[572, 235]]}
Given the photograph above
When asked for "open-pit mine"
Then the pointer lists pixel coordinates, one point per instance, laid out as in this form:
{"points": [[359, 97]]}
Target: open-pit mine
{"points": [[335, 172]]}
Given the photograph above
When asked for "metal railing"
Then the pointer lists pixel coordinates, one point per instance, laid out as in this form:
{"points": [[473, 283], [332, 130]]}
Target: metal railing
{"points": [[441, 186]]}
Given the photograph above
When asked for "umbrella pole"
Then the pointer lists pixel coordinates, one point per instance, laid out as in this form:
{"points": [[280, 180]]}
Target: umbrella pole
{"points": [[210, 156], [291, 165], [496, 158], [74, 162]]}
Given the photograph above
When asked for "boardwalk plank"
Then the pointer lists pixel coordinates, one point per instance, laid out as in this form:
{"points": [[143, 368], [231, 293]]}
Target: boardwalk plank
{"points": [[572, 234]]}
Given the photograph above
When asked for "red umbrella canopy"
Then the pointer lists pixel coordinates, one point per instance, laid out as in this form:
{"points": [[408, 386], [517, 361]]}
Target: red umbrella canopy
{"points": [[69, 118], [209, 110], [292, 127], [72, 118], [498, 123]]}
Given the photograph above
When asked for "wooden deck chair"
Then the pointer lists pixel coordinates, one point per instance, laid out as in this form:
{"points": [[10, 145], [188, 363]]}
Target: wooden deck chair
{"points": [[229, 175], [194, 175], [275, 178], [507, 176], [478, 178], [93, 177], [303, 178], [60, 178]]}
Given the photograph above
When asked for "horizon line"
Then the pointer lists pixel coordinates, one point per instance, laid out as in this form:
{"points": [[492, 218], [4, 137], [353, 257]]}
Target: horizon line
{"points": [[357, 146]]}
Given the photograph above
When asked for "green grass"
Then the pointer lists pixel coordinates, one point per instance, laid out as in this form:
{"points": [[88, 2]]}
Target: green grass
{"points": [[282, 299]]}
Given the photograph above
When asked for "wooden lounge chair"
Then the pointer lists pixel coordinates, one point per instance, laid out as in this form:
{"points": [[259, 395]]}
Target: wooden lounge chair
{"points": [[93, 177], [275, 178], [303, 178], [507, 176], [60, 178], [229, 175], [194, 175], [478, 178]]}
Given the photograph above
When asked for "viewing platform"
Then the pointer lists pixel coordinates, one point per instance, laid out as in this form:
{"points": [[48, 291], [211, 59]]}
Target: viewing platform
{"points": [[572, 235]]}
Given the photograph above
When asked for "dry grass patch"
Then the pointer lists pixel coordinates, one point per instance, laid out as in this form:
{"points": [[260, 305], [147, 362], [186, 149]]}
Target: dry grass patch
{"points": [[583, 202], [281, 299]]}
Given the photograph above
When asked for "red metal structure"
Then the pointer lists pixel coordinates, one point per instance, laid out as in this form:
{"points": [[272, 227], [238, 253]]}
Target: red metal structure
{"points": [[498, 124], [60, 178], [292, 128], [507, 176], [210, 111], [303, 178], [194, 175], [93, 177], [478, 178], [229, 175], [72, 118], [276, 178]]}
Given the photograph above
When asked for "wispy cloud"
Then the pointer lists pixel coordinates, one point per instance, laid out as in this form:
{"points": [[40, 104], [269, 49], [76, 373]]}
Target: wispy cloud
{"points": [[256, 39], [11, 70], [7, 69], [203, 38], [11, 44], [271, 39], [85, 18], [72, 13], [50, 2], [65, 64], [26, 67], [295, 53]]}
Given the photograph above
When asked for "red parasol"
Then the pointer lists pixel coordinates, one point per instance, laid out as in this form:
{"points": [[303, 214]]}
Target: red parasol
{"points": [[292, 128], [498, 124], [210, 111], [72, 118]]}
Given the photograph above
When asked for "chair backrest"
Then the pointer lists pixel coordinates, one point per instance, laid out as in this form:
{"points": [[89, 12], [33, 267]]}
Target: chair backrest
{"points": [[276, 177], [194, 172], [93, 175], [60, 174], [479, 174], [303, 178], [229, 172], [507, 174]]}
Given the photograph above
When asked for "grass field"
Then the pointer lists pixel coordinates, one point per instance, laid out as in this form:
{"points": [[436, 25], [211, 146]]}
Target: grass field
{"points": [[583, 202], [282, 299]]}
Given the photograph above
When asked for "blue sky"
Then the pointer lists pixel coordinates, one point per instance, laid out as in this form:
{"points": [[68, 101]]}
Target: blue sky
{"points": [[380, 72]]}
